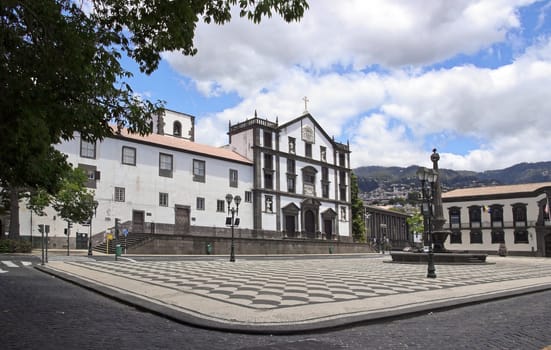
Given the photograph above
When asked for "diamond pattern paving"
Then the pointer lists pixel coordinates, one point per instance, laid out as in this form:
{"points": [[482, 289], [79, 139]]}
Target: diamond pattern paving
{"points": [[265, 284]]}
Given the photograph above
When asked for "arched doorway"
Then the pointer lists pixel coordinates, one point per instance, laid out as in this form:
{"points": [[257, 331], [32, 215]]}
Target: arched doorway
{"points": [[309, 222], [310, 217], [290, 219]]}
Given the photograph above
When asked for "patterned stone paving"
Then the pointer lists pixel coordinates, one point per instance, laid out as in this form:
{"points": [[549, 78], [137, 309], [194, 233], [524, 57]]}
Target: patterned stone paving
{"points": [[265, 284]]}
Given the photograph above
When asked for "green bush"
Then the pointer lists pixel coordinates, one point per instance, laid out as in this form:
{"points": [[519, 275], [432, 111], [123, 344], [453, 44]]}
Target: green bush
{"points": [[15, 246]]}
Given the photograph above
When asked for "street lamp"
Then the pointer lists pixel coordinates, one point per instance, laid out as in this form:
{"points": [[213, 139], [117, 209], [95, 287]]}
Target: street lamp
{"points": [[90, 235], [428, 175], [233, 220]]}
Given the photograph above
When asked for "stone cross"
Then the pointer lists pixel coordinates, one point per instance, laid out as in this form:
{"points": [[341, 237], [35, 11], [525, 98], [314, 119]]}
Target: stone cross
{"points": [[306, 100]]}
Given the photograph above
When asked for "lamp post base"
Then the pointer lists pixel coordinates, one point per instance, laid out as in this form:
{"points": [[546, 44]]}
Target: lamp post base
{"points": [[431, 271], [232, 254]]}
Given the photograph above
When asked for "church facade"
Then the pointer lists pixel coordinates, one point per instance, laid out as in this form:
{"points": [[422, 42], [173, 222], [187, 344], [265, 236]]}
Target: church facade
{"points": [[294, 182]]}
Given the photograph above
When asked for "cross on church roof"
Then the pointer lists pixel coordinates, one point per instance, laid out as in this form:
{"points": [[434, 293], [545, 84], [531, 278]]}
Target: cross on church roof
{"points": [[306, 100]]}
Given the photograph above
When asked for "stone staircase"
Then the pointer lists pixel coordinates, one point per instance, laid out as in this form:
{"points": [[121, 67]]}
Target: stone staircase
{"points": [[132, 240]]}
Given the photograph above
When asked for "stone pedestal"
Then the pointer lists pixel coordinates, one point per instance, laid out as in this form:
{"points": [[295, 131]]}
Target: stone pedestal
{"points": [[438, 239]]}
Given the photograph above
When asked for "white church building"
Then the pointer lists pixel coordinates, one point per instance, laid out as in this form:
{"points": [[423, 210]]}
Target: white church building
{"points": [[293, 179]]}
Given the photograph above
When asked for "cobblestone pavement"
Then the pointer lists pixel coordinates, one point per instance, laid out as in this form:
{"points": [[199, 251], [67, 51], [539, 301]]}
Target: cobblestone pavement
{"points": [[270, 285], [287, 296]]}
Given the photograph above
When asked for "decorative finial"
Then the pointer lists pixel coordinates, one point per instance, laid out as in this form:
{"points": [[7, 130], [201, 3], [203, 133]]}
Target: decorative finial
{"points": [[255, 115]]}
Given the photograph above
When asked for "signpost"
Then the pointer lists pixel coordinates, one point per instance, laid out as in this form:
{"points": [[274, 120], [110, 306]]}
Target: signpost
{"points": [[125, 233]]}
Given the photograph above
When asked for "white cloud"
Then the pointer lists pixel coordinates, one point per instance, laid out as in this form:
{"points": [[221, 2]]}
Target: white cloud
{"points": [[387, 114]]}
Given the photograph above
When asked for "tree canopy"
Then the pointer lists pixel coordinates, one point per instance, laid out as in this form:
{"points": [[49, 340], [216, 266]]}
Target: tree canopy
{"points": [[60, 71]]}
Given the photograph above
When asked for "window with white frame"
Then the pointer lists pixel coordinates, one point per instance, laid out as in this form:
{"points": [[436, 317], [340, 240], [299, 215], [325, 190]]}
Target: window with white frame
{"points": [[87, 149], [165, 165], [198, 170], [163, 199], [220, 206], [119, 194], [200, 203], [233, 178], [128, 155], [248, 196]]}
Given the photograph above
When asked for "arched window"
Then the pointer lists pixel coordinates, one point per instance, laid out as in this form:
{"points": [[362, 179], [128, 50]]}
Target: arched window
{"points": [[177, 129]]}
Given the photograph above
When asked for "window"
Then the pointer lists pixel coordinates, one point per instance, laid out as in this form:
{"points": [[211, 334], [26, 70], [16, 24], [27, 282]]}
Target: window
{"points": [[198, 170], [474, 216], [268, 162], [455, 217], [292, 145], [308, 150], [342, 159], [309, 181], [220, 206], [476, 237], [233, 178], [268, 179], [91, 174], [521, 236], [291, 179], [498, 236], [519, 215], [128, 155], [291, 166], [267, 139], [455, 237], [325, 182], [200, 203], [119, 194], [268, 204], [342, 192], [323, 154], [165, 165], [248, 196], [87, 149], [496, 215], [177, 129], [163, 199]]}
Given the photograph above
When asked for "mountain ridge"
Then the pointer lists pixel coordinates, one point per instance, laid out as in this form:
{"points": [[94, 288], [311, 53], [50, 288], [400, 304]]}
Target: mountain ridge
{"points": [[371, 178]]}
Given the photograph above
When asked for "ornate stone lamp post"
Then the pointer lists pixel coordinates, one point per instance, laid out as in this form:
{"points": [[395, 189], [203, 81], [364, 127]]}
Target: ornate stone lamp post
{"points": [[233, 220], [439, 235], [428, 175]]}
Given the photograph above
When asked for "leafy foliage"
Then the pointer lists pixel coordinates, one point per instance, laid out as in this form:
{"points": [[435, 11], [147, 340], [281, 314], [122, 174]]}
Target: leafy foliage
{"points": [[358, 223], [15, 246], [61, 76], [74, 202]]}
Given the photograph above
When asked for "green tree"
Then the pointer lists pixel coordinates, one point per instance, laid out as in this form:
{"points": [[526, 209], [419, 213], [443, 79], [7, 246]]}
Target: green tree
{"points": [[415, 222], [74, 202], [358, 223], [61, 76]]}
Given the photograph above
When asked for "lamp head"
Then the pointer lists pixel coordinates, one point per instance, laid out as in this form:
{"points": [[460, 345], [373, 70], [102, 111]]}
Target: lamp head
{"points": [[229, 198], [421, 173], [237, 200], [432, 175]]}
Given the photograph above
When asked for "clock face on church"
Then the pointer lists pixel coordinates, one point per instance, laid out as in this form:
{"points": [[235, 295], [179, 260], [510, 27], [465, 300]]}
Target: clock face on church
{"points": [[308, 134]]}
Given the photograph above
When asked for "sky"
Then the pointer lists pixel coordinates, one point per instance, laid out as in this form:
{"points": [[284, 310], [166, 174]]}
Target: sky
{"points": [[394, 79]]}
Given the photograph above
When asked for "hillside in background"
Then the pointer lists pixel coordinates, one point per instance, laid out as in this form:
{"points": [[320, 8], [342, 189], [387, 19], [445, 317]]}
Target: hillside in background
{"points": [[393, 182]]}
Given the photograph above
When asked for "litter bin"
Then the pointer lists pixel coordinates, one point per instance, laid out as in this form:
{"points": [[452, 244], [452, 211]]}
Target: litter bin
{"points": [[118, 250], [209, 248]]}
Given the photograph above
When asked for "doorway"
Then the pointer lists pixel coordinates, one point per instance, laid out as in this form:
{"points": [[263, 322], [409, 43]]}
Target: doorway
{"points": [[181, 221]]}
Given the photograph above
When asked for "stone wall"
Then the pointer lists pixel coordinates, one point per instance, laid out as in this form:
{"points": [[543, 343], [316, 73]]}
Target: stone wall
{"points": [[171, 244]]}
